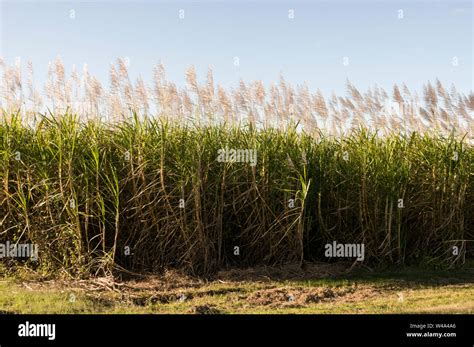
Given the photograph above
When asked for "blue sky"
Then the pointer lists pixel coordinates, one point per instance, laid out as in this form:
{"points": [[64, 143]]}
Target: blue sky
{"points": [[382, 49]]}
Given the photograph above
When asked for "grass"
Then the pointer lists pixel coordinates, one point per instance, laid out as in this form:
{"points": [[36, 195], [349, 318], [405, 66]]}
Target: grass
{"points": [[203, 101], [412, 290], [137, 195], [145, 196]]}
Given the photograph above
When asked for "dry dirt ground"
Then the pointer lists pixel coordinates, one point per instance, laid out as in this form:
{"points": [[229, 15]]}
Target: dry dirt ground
{"points": [[319, 288]]}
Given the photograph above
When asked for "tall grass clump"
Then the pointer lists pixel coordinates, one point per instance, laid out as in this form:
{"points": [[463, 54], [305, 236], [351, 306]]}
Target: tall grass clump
{"points": [[143, 195], [127, 177]]}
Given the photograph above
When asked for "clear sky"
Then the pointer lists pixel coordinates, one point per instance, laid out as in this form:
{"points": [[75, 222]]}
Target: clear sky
{"points": [[381, 48]]}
